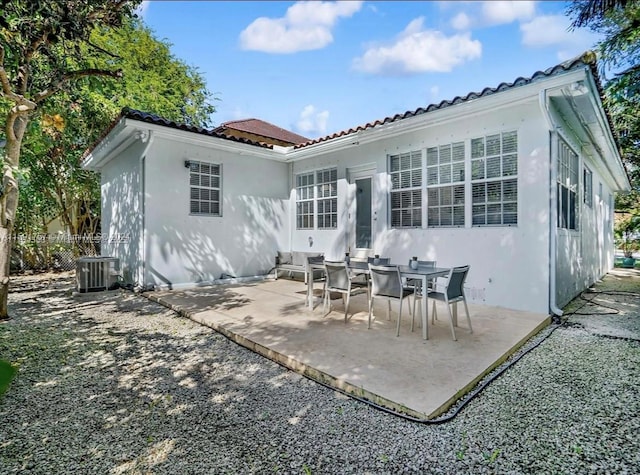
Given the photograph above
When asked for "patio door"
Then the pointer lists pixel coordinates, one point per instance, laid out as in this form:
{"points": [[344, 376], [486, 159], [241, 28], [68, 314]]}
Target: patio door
{"points": [[362, 215]]}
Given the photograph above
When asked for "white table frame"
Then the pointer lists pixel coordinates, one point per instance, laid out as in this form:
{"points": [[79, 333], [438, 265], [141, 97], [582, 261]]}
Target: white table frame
{"points": [[424, 273]]}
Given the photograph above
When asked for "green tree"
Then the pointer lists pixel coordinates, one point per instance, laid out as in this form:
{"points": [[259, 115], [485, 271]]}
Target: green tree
{"points": [[619, 56], [41, 54], [153, 80]]}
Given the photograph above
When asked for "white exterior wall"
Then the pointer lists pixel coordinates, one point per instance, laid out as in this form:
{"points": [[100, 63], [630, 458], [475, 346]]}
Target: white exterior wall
{"points": [[121, 217], [587, 253], [183, 249], [509, 264]]}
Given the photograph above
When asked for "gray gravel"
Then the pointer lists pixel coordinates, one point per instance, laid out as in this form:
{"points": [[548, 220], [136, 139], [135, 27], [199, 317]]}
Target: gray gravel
{"points": [[119, 384]]}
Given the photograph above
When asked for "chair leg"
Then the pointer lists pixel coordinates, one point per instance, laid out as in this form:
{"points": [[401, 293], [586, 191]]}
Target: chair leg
{"points": [[453, 330], [370, 310], [346, 307], [466, 309], [325, 301], [399, 317], [433, 312], [413, 314], [388, 309]]}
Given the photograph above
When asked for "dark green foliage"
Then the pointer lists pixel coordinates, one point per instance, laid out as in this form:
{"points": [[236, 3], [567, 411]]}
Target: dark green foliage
{"points": [[619, 54], [53, 184], [7, 372]]}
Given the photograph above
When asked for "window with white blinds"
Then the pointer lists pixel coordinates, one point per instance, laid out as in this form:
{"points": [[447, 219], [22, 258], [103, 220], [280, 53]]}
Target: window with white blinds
{"points": [[494, 183], [445, 185], [327, 186], [567, 187], [205, 188], [587, 177], [304, 201], [406, 189], [317, 199]]}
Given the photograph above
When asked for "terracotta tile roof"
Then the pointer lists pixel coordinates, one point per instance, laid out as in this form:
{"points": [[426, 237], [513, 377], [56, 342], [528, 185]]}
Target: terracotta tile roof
{"points": [[264, 129], [156, 120], [586, 59]]}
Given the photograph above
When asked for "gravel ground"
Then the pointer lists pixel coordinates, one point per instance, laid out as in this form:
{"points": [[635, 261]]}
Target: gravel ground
{"points": [[117, 384]]}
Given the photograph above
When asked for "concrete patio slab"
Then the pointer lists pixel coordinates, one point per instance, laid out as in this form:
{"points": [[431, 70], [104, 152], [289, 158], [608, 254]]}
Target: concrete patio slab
{"points": [[406, 373]]}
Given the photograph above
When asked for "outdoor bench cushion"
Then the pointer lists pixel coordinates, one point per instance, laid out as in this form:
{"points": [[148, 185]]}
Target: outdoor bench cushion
{"points": [[284, 258]]}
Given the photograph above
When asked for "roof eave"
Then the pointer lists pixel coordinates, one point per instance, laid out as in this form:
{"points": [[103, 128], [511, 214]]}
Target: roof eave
{"points": [[127, 131], [109, 146], [516, 95]]}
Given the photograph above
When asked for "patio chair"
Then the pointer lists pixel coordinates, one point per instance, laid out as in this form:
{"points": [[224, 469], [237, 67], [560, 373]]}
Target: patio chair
{"points": [[363, 279], [339, 280], [452, 293], [387, 283]]}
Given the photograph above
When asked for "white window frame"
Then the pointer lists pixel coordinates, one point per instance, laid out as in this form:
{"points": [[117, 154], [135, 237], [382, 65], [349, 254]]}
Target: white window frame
{"points": [[305, 197], [405, 195], [494, 179], [445, 193], [327, 198], [568, 184], [205, 188], [317, 199]]}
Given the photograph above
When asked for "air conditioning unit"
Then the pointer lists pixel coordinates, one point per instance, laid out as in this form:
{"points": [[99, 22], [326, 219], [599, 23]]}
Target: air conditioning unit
{"points": [[94, 274]]}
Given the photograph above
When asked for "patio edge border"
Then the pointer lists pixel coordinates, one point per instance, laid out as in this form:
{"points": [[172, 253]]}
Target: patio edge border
{"points": [[328, 380], [505, 356], [294, 365]]}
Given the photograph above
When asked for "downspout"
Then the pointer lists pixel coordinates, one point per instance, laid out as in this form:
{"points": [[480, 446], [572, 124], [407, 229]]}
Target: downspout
{"points": [[292, 205], [146, 136], [553, 209]]}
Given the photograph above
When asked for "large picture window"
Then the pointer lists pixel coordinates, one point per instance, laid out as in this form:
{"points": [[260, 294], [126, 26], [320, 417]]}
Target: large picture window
{"points": [[494, 183], [317, 199], [567, 187], [205, 187], [445, 185], [406, 189]]}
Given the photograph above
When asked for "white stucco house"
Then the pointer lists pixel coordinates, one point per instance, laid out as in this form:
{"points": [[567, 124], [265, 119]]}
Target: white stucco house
{"points": [[517, 180]]}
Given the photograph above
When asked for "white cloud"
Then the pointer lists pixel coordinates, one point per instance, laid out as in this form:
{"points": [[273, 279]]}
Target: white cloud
{"points": [[434, 91], [312, 123], [553, 30], [461, 21], [305, 26], [499, 12], [418, 50]]}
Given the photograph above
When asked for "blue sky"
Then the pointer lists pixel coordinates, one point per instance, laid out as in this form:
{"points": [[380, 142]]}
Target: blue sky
{"points": [[320, 67]]}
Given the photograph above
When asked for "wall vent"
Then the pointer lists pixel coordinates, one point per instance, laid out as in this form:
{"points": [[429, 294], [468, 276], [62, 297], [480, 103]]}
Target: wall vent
{"points": [[94, 274]]}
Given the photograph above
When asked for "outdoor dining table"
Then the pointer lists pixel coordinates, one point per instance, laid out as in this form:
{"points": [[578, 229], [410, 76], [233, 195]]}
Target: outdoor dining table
{"points": [[424, 273]]}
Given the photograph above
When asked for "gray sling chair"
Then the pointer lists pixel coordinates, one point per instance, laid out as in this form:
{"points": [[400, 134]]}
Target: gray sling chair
{"points": [[338, 279], [452, 293], [386, 283], [363, 279]]}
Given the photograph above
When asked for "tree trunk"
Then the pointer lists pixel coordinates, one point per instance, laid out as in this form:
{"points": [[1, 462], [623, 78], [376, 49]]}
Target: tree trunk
{"points": [[5, 261], [15, 128]]}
